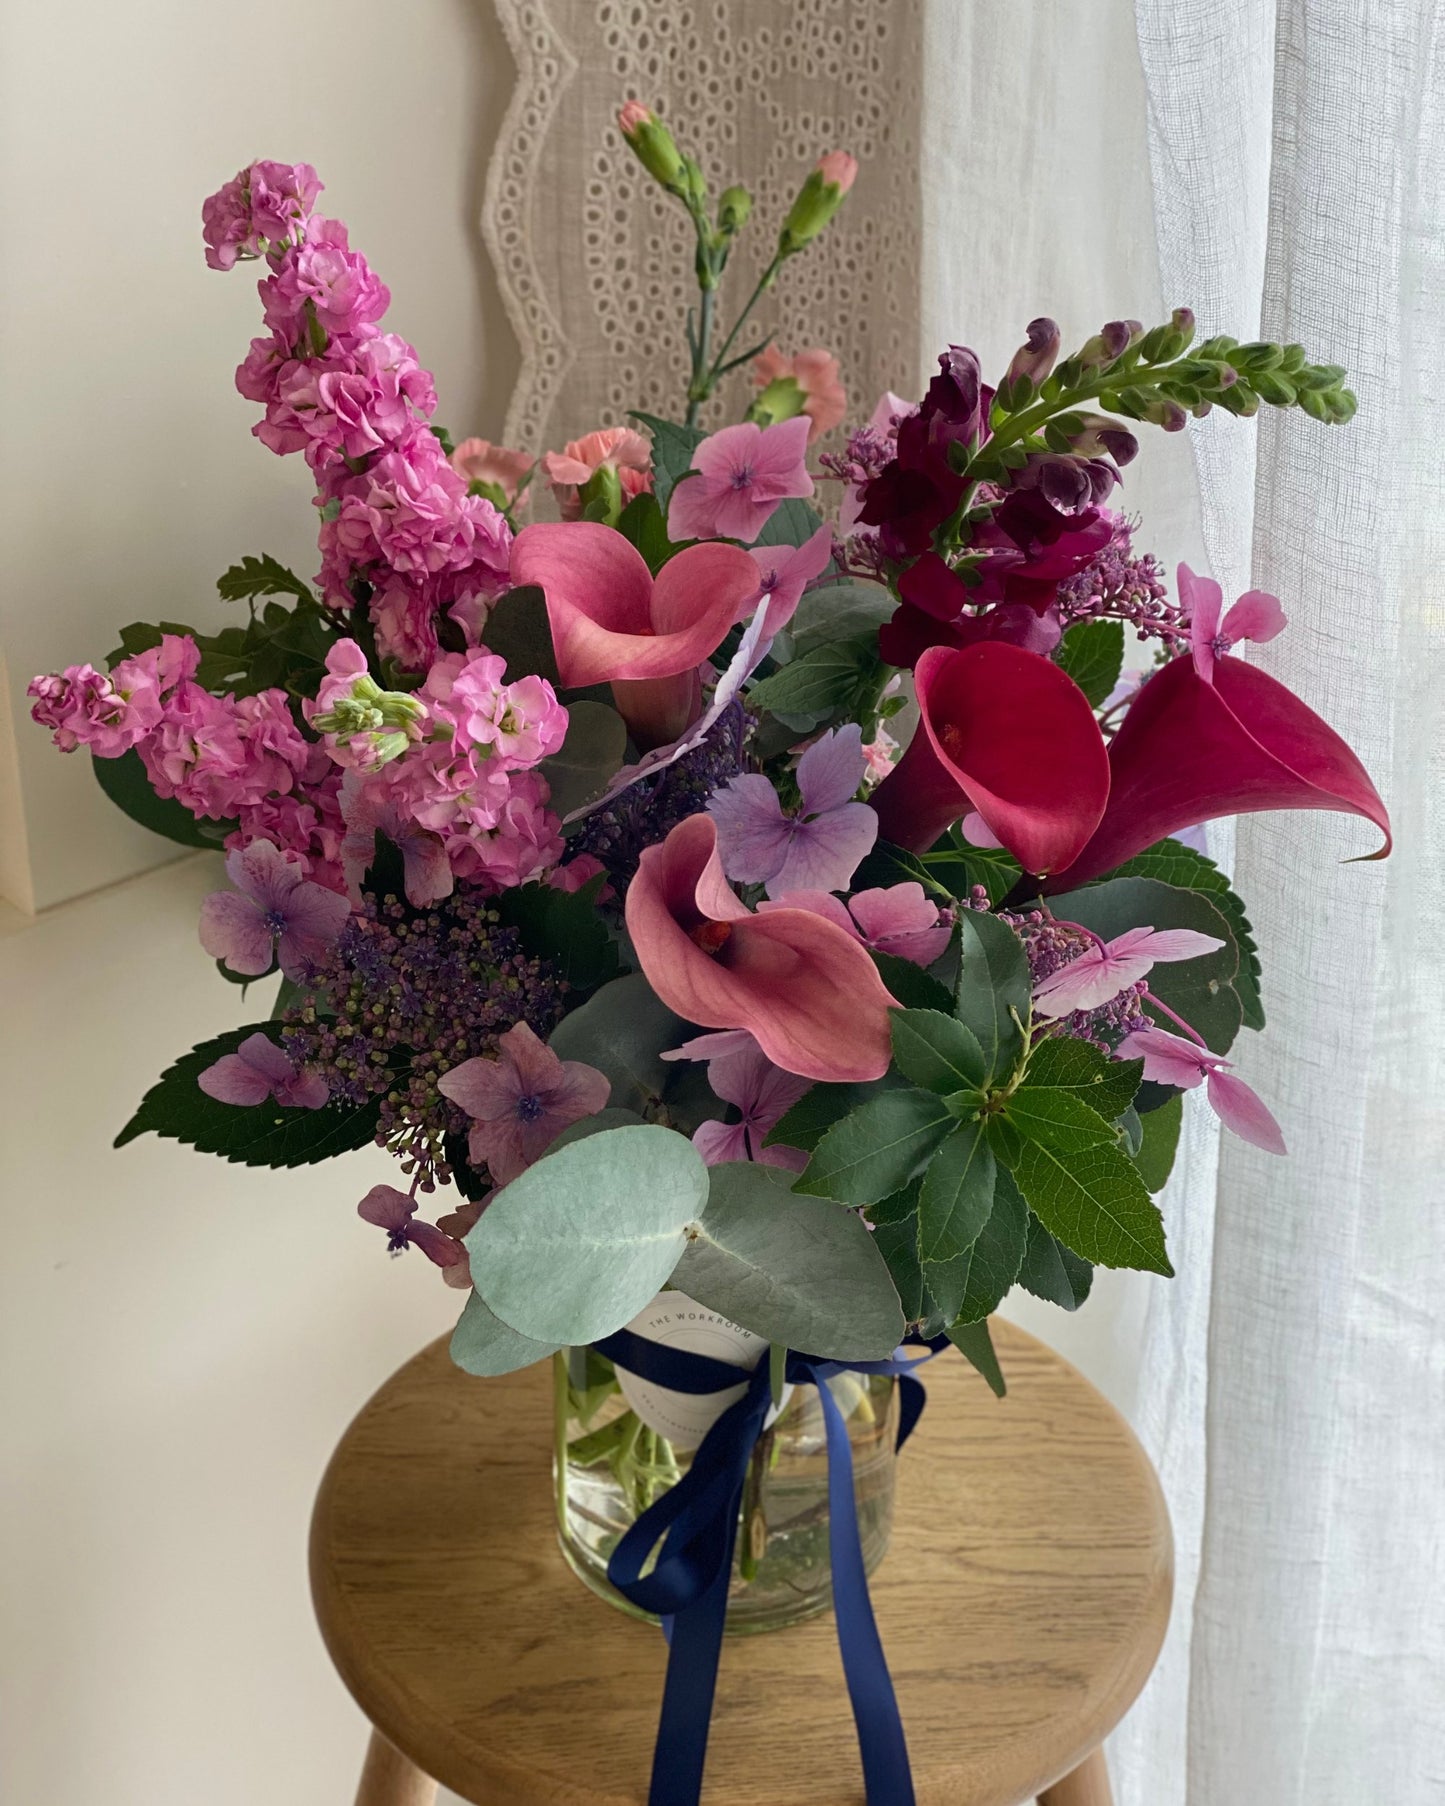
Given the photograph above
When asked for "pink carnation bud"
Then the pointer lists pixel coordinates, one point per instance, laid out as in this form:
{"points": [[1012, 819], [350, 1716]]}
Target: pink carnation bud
{"points": [[633, 116], [840, 169]]}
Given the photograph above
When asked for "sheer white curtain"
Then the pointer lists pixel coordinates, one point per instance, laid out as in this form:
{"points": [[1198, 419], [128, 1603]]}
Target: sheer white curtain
{"points": [[1295, 1394]]}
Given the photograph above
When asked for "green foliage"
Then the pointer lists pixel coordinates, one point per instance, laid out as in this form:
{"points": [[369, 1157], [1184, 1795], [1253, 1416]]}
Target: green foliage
{"points": [[819, 684], [623, 1030], [1107, 1086], [1092, 652], [580, 1241], [594, 748], [836, 611], [791, 523], [972, 1284], [898, 1244], [263, 576], [266, 1134], [947, 873], [1200, 990], [877, 1149], [937, 1052], [125, 782], [1159, 1142], [644, 525], [956, 1199], [994, 990], [1171, 862], [672, 449], [564, 927], [519, 632], [806, 1123], [796, 1270], [975, 1344], [482, 1344], [913, 986], [1053, 1272]]}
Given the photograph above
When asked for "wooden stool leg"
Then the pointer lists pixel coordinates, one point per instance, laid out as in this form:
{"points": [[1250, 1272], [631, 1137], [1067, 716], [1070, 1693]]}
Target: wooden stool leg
{"points": [[390, 1779], [1088, 1785]]}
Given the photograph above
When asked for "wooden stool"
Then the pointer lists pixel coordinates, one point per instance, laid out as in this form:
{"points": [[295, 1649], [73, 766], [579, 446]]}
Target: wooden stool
{"points": [[1021, 1607]]}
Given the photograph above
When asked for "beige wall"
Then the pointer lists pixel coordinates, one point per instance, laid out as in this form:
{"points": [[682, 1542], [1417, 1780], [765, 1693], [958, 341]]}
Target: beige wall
{"points": [[129, 475]]}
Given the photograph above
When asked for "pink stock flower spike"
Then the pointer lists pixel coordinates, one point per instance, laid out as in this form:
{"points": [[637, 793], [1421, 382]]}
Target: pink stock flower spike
{"points": [[273, 911], [763, 1093], [521, 1101], [784, 573], [369, 807], [1255, 616], [1171, 1060], [1104, 971], [742, 473], [259, 1070], [820, 847], [393, 1211], [807, 992]]}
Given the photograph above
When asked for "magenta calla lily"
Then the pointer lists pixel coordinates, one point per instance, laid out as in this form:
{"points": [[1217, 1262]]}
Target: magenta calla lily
{"points": [[1191, 751], [807, 991], [613, 623], [1005, 733]]}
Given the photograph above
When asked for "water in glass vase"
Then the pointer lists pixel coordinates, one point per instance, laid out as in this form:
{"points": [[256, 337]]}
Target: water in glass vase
{"points": [[621, 1443]]}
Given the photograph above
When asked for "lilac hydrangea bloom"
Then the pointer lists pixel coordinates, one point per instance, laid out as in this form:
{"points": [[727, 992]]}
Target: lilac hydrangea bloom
{"points": [[521, 1101], [1107, 969], [274, 911], [740, 474], [393, 1211], [258, 1070], [763, 1094], [819, 847]]}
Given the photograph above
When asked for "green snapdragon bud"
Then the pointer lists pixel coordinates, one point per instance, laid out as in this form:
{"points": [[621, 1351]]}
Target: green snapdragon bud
{"points": [[817, 201]]}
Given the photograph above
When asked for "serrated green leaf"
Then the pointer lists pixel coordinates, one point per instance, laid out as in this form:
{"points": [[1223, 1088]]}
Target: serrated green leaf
{"points": [[672, 449], [1155, 1159], [1081, 1185], [994, 991], [564, 927], [898, 1206], [948, 873], [831, 612], [268, 1134], [263, 576], [778, 1264], [898, 1244], [914, 988], [956, 1198], [936, 1052], [1061, 1063], [972, 1284], [579, 1242], [1053, 1272], [125, 782], [975, 1344], [877, 1149], [1172, 862], [816, 684], [1200, 990], [1092, 652], [791, 523]]}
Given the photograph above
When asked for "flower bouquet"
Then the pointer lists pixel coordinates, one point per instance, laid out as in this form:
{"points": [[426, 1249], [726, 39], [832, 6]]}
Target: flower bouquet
{"points": [[758, 1060]]}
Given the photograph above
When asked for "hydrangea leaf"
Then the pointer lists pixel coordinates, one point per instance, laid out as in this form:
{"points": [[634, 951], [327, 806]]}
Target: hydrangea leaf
{"points": [[1155, 1158], [876, 1150], [779, 1264], [125, 782], [791, 523], [837, 611], [672, 449], [519, 631], [579, 1242], [1053, 1272], [564, 927], [816, 684], [971, 1284], [914, 988], [1092, 652], [993, 996], [266, 1134]]}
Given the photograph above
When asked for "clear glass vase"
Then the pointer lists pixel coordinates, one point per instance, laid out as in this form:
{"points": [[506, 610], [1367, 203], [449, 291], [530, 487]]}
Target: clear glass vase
{"points": [[610, 1465]]}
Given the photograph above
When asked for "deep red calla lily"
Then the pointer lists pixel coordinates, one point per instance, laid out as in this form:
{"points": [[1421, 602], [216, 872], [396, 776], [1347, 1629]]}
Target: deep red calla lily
{"points": [[807, 991], [1191, 751], [612, 622], [1007, 733]]}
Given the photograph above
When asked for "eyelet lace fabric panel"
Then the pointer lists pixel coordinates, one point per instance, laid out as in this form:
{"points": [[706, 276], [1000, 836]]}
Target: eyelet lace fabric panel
{"points": [[595, 261]]}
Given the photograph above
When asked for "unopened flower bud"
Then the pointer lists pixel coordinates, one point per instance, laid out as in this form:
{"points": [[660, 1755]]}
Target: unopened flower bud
{"points": [[1035, 357], [782, 399], [651, 143], [376, 725], [1182, 320], [817, 200], [1111, 342], [1098, 435], [733, 207]]}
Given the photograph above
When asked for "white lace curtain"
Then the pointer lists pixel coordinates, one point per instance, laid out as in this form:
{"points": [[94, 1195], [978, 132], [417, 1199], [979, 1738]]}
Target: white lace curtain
{"points": [[1276, 164]]}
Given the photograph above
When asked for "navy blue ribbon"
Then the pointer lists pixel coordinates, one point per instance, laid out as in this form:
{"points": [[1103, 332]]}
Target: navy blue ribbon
{"points": [[694, 1526]]}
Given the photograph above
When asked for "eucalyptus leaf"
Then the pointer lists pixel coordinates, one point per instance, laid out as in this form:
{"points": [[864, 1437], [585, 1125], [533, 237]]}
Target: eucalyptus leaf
{"points": [[482, 1344], [623, 1030], [578, 1243], [937, 1052], [795, 1270], [994, 989], [972, 1284], [877, 1149], [591, 754], [519, 632]]}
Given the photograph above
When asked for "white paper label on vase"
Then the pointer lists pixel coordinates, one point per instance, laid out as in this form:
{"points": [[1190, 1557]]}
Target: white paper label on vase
{"points": [[678, 1321]]}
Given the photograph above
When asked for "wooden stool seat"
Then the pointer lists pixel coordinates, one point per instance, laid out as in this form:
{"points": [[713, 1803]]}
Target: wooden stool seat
{"points": [[1021, 1606]]}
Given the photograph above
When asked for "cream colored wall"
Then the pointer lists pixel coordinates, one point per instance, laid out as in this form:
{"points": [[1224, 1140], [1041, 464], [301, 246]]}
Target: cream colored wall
{"points": [[129, 474]]}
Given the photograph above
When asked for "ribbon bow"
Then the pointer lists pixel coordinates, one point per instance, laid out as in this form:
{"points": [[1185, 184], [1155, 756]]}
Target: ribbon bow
{"points": [[696, 1522]]}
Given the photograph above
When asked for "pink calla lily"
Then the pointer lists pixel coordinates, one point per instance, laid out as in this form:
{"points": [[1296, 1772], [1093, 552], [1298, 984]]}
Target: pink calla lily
{"points": [[806, 990], [1007, 734], [612, 622], [1191, 751]]}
